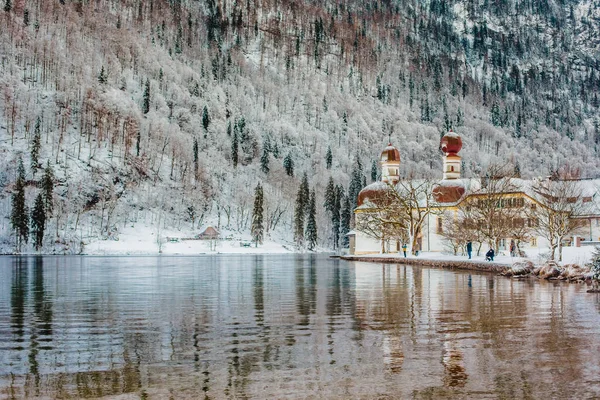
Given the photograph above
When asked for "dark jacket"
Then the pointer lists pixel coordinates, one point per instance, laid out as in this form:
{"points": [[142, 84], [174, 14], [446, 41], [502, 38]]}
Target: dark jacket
{"points": [[490, 253], [469, 247]]}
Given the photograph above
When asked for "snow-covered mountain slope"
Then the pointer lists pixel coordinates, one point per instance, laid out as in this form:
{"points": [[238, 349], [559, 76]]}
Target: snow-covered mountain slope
{"points": [[124, 90]]}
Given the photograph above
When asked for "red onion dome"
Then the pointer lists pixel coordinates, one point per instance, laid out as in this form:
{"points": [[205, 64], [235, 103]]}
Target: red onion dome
{"points": [[449, 191], [451, 143], [377, 193], [390, 154]]}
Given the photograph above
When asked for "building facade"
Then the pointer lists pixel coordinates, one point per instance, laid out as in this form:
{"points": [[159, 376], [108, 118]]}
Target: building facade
{"points": [[505, 205]]}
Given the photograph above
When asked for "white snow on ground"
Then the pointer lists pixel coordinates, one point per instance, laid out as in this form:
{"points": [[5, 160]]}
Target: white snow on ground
{"points": [[571, 255], [142, 241]]}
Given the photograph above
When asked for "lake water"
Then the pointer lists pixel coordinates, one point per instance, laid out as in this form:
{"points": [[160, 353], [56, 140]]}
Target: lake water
{"points": [[288, 327]]}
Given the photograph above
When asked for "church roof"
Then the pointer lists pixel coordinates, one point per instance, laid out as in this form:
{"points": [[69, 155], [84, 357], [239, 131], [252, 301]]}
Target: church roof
{"points": [[390, 154]]}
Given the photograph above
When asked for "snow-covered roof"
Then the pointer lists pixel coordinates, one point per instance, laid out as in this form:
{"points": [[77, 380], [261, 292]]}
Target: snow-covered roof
{"points": [[590, 192]]}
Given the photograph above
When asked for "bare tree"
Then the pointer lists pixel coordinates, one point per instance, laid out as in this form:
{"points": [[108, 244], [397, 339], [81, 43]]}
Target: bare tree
{"points": [[383, 217], [455, 231], [415, 197], [493, 209], [561, 201]]}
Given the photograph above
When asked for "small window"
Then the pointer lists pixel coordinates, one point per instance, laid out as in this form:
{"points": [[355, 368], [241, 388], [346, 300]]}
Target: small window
{"points": [[451, 168], [534, 242], [440, 225]]}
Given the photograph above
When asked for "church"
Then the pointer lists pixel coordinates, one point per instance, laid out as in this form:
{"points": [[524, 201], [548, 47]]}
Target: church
{"points": [[437, 206]]}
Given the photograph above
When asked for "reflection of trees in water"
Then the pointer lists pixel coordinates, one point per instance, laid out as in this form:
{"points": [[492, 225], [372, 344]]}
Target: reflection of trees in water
{"points": [[244, 358], [333, 307], [340, 302], [305, 292], [18, 296], [36, 327]]}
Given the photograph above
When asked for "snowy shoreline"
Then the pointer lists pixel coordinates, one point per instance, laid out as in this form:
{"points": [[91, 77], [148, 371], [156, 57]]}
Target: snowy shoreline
{"points": [[446, 263]]}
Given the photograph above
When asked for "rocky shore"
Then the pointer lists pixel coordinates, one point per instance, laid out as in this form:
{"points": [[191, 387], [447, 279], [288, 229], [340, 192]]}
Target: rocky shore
{"points": [[523, 269], [449, 264]]}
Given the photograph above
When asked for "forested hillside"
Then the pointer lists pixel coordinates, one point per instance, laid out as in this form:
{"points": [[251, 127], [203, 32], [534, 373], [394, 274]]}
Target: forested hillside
{"points": [[168, 113]]}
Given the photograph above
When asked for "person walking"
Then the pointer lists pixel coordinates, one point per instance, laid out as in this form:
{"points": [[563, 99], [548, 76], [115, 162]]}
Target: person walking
{"points": [[404, 247], [469, 249]]}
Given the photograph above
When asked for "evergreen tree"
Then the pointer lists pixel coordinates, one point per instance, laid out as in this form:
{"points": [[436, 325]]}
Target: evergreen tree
{"points": [[267, 144], [138, 142], [346, 217], [495, 118], [460, 117], [329, 197], [234, 148], [305, 194], [257, 228], [328, 158], [38, 221], [48, 189], [35, 146], [264, 161], [102, 76], [205, 120], [332, 211], [146, 100], [179, 40], [7, 5], [374, 171], [311, 224], [26, 17], [299, 219], [288, 165], [595, 266], [275, 150], [335, 216], [19, 218], [356, 182], [517, 171], [195, 150]]}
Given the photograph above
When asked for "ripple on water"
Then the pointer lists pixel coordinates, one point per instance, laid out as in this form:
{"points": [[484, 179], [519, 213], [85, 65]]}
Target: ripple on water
{"points": [[288, 327]]}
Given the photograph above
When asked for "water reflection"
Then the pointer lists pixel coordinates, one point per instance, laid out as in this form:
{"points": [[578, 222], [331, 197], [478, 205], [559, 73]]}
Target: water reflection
{"points": [[295, 327]]}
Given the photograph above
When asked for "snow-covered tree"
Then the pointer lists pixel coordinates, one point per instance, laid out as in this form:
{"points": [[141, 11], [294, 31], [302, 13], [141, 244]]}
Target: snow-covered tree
{"points": [[560, 201], [257, 227], [38, 221], [288, 165], [299, 219], [146, 98], [102, 76], [35, 146], [48, 189], [345, 218], [328, 158], [234, 149], [374, 170], [19, 219], [205, 120], [264, 161], [311, 224]]}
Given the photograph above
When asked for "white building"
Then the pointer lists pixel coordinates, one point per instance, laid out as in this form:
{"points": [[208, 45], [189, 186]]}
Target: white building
{"points": [[452, 194]]}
